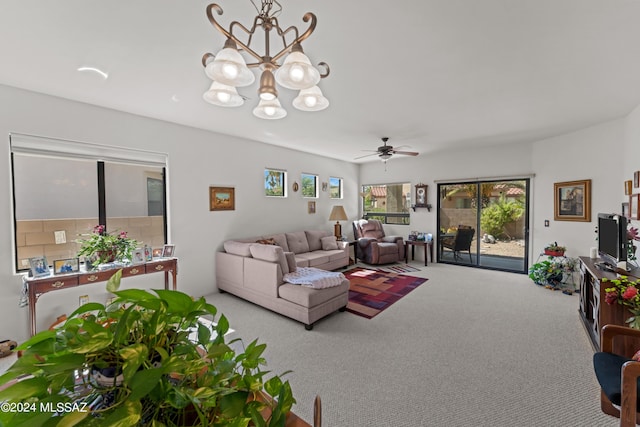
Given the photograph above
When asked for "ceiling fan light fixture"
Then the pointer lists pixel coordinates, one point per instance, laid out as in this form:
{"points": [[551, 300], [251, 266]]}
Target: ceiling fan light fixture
{"points": [[223, 95], [229, 67], [384, 156], [311, 100], [270, 110]]}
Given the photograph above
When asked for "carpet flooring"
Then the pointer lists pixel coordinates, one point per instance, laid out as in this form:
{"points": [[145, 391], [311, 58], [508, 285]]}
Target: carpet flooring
{"points": [[373, 291]]}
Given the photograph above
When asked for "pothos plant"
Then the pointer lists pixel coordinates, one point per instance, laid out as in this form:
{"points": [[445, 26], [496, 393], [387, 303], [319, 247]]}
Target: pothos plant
{"points": [[550, 272], [173, 369]]}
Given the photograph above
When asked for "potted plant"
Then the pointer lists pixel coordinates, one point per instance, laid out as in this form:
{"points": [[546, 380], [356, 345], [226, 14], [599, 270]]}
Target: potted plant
{"points": [[624, 291], [100, 247], [551, 273], [173, 368], [553, 249]]}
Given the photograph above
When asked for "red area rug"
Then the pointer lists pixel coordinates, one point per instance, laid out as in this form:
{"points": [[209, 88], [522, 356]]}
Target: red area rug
{"points": [[373, 291]]}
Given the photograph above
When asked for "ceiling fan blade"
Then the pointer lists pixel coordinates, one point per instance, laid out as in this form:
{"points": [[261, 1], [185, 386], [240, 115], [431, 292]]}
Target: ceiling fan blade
{"points": [[366, 155], [406, 153]]}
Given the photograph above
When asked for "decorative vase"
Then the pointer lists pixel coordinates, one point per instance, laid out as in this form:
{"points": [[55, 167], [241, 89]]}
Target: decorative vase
{"points": [[107, 256]]}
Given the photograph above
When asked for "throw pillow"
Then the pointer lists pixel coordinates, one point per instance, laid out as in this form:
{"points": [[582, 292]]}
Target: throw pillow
{"points": [[329, 243], [291, 261]]}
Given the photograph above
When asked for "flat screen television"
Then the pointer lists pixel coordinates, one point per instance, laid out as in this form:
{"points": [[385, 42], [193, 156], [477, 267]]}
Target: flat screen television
{"points": [[612, 238]]}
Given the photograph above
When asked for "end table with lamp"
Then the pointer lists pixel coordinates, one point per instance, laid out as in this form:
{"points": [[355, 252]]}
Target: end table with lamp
{"points": [[337, 214]]}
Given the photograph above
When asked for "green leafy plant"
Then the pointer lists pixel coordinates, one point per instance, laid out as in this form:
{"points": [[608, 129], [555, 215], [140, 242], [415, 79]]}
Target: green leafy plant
{"points": [[497, 215], [551, 272], [624, 291], [101, 247], [169, 368], [554, 247]]}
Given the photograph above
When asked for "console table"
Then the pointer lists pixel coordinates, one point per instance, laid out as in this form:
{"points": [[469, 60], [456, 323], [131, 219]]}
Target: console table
{"points": [[595, 312], [38, 286], [428, 249]]}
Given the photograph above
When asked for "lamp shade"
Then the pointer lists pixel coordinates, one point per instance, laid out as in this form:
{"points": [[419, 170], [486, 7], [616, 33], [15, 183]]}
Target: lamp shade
{"points": [[229, 67], [270, 110], [223, 95], [338, 214], [311, 100], [297, 72]]}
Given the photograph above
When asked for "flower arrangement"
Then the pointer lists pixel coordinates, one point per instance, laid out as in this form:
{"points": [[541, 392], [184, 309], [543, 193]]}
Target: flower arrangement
{"points": [[624, 291], [632, 235], [554, 249], [101, 247]]}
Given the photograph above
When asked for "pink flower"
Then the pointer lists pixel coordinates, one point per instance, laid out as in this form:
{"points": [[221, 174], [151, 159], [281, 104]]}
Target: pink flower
{"points": [[98, 229], [611, 297], [630, 293], [123, 234], [632, 233]]}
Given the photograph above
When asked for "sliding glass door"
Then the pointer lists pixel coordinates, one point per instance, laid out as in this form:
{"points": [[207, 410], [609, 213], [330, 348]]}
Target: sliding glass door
{"points": [[484, 224]]}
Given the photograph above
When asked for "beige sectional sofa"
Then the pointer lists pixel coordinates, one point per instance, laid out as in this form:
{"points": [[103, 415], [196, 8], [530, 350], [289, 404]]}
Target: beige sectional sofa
{"points": [[253, 269]]}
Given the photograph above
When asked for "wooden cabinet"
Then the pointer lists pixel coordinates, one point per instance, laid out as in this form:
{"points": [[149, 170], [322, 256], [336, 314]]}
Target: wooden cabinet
{"points": [[595, 312]]}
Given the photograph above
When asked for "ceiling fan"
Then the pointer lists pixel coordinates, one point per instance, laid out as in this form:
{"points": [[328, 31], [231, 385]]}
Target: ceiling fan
{"points": [[386, 151]]}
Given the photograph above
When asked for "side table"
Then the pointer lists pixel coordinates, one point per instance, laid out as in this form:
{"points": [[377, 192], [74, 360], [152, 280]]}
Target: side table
{"points": [[413, 244], [353, 243]]}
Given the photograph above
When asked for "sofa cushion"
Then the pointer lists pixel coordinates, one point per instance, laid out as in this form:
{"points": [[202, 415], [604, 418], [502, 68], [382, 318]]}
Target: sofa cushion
{"points": [[270, 253], [336, 255], [314, 259], [280, 239], [314, 237], [329, 243], [309, 297], [237, 248], [297, 242], [291, 261]]}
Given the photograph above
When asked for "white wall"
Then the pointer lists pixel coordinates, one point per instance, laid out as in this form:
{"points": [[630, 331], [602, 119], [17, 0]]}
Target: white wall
{"points": [[197, 159]]}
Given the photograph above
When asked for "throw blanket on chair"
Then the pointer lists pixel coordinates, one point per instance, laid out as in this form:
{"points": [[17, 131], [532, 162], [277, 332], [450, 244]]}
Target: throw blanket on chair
{"points": [[314, 278]]}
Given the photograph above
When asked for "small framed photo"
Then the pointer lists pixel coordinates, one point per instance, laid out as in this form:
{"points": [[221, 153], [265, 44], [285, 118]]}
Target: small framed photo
{"points": [[627, 188], [634, 209], [66, 266], [168, 251], [138, 256], [636, 179], [157, 253], [148, 255], [222, 198], [39, 266], [311, 207]]}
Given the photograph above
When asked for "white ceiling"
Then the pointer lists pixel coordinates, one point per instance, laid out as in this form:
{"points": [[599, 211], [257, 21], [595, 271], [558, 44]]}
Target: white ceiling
{"points": [[430, 74]]}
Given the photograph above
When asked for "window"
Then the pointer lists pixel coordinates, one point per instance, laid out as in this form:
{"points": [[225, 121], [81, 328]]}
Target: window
{"points": [[388, 203], [309, 185], [78, 186], [275, 183], [335, 188]]}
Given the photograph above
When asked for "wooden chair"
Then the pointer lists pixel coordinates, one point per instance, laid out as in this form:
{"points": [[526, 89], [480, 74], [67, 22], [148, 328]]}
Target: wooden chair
{"points": [[461, 242], [618, 376]]}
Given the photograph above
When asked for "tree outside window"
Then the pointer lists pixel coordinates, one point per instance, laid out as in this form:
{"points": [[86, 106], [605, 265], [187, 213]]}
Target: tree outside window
{"points": [[309, 185], [335, 188], [275, 183]]}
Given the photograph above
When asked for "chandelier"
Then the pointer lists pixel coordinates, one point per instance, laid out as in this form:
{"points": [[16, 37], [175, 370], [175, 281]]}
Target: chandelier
{"points": [[228, 69]]}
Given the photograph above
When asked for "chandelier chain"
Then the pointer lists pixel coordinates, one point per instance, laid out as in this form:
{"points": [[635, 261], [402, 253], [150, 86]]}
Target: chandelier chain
{"points": [[265, 10]]}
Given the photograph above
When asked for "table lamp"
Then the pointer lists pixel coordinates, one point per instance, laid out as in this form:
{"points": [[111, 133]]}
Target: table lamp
{"points": [[337, 214]]}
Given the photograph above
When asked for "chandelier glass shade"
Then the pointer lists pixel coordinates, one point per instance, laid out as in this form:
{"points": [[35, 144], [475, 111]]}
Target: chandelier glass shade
{"points": [[229, 70]]}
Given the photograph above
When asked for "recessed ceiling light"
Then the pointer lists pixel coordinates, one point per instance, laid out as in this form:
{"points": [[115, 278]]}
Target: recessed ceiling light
{"points": [[95, 70]]}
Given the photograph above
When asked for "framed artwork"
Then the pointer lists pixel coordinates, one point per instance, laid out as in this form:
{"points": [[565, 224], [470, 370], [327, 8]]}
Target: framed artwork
{"points": [[627, 188], [138, 256], [311, 207], [65, 266], [168, 251], [38, 266], [325, 186], [636, 179], [222, 199], [625, 210], [572, 201], [634, 202]]}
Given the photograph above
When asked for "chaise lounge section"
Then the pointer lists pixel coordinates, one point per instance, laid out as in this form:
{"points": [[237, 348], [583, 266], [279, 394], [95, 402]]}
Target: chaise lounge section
{"points": [[254, 268]]}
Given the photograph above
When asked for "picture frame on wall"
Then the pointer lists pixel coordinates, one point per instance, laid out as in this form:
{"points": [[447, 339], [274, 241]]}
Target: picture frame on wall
{"points": [[66, 266], [626, 211], [38, 266], [311, 207], [572, 201], [628, 188], [222, 199], [636, 179], [634, 202]]}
